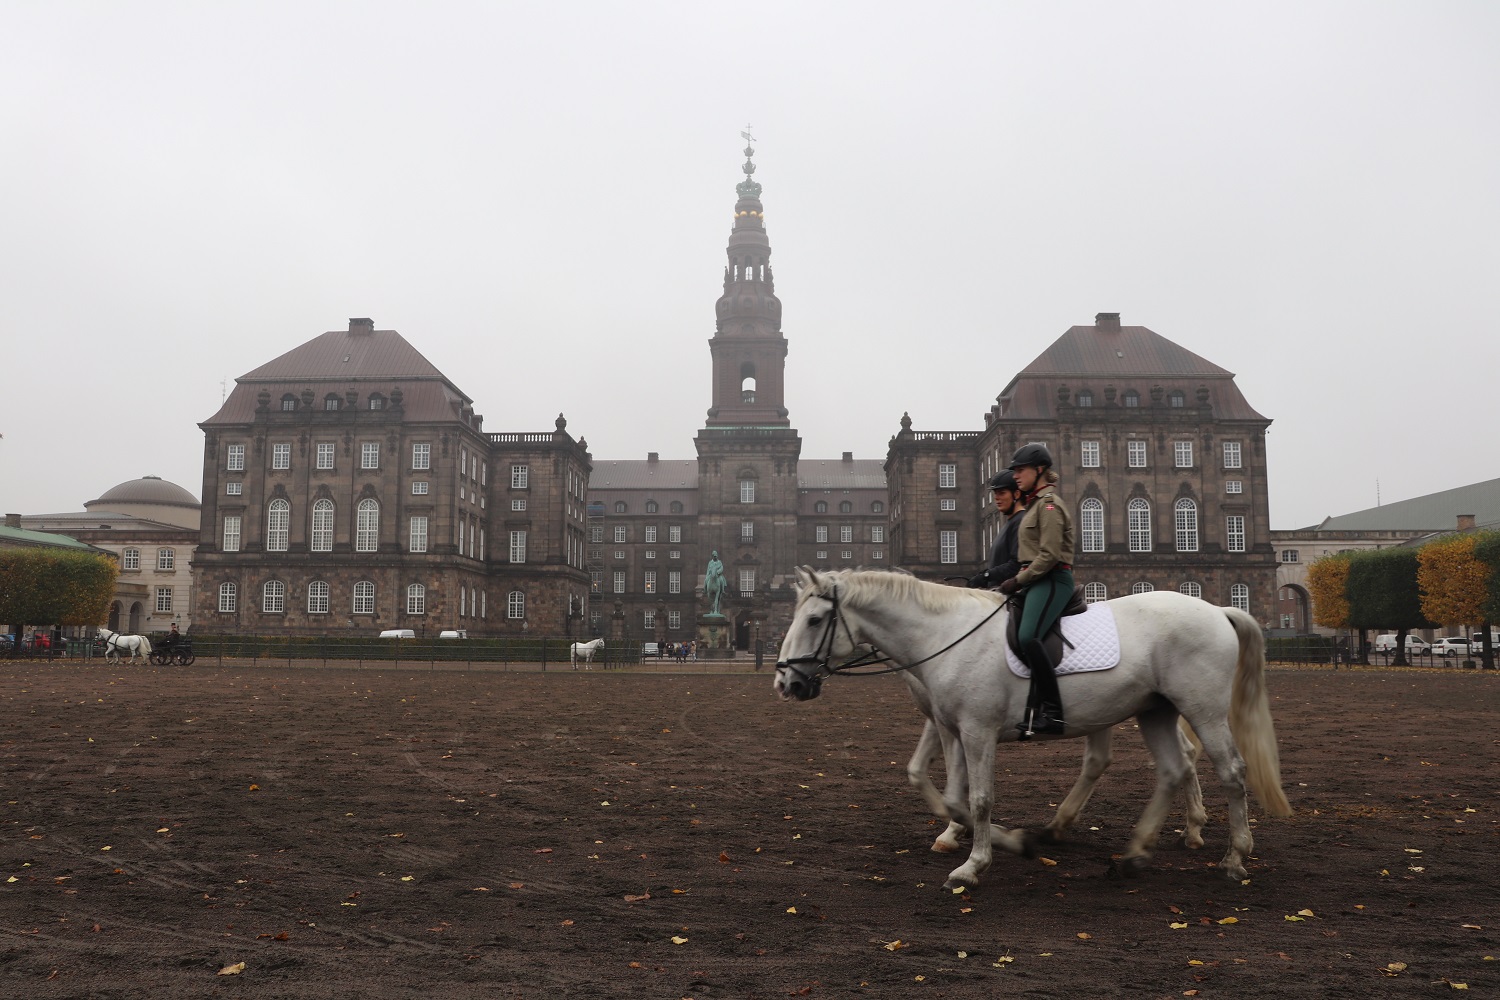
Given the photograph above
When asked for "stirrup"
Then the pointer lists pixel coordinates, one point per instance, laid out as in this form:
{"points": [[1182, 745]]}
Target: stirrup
{"points": [[1044, 720]]}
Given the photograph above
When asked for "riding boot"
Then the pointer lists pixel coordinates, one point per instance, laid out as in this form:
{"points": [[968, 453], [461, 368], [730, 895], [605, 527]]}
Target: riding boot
{"points": [[1044, 716]]}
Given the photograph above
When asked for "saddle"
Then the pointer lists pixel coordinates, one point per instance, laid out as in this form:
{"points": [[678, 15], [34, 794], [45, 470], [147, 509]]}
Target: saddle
{"points": [[1053, 641]]}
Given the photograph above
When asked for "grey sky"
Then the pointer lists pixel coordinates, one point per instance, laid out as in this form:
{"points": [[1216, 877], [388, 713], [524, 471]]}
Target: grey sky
{"points": [[538, 195]]}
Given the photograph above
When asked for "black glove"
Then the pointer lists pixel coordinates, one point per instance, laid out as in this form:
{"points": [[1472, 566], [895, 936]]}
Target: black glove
{"points": [[1010, 586], [981, 580]]}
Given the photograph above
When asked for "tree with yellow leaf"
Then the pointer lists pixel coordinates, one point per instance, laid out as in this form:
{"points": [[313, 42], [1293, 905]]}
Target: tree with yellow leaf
{"points": [[1327, 580], [1453, 582]]}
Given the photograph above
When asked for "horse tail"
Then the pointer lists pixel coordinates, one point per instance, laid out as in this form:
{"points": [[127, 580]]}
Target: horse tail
{"points": [[145, 646], [1250, 716]]}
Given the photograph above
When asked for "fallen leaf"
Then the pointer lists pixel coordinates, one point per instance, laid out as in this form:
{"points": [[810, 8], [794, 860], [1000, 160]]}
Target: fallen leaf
{"points": [[1457, 986], [1292, 918], [567, 923], [1175, 909], [1047, 861], [723, 858], [406, 878], [1177, 927], [637, 899], [518, 885], [1082, 936], [254, 788], [919, 979], [1230, 920], [1004, 960], [963, 954], [106, 847], [1194, 961], [1305, 913], [635, 965], [1397, 966], [539, 850], [163, 830], [895, 945], [232, 970], [679, 940], [791, 909]]}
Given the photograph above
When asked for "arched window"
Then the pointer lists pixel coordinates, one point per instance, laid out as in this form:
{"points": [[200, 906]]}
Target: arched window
{"points": [[1177, 399], [1138, 516], [317, 597], [821, 507], [1185, 516], [676, 507], [1239, 597], [322, 526], [515, 605], [845, 507], [1091, 524], [877, 507], [1094, 592], [288, 402], [619, 506], [1191, 589], [1131, 398], [747, 390], [278, 525], [364, 598], [273, 597], [416, 599], [377, 401], [367, 526], [652, 507], [228, 597], [1141, 588]]}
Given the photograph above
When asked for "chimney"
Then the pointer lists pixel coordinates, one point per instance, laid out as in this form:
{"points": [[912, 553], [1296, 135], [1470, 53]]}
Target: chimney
{"points": [[848, 458], [1465, 522], [12, 520], [653, 457], [1107, 322], [361, 325]]}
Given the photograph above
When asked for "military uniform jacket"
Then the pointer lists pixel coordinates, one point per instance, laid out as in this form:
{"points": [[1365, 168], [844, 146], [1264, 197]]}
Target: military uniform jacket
{"points": [[1045, 538], [1003, 558]]}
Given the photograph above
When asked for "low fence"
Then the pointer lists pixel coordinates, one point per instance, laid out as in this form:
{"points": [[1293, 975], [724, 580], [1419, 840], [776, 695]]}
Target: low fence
{"points": [[1338, 652]]}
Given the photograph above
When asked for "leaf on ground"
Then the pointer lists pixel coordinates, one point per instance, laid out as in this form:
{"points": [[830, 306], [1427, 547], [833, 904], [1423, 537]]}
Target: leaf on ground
{"points": [[232, 970], [1471, 927], [518, 885], [1305, 913], [1175, 909], [963, 954], [637, 899], [539, 850], [1292, 918], [791, 909], [1230, 920], [679, 940], [895, 945], [567, 923], [1047, 861], [1177, 926], [723, 858], [1084, 936], [1194, 962], [1003, 960]]}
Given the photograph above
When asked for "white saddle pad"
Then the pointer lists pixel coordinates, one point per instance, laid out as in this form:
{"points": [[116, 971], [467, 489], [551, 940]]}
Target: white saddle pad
{"points": [[1094, 639]]}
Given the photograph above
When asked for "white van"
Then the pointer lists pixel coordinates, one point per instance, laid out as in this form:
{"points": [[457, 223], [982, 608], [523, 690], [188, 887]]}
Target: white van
{"points": [[1476, 641], [454, 633], [1415, 644], [398, 633]]}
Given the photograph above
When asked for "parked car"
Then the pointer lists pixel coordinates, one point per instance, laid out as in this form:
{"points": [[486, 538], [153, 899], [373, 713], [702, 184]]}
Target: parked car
{"points": [[454, 633], [1415, 644], [650, 649], [1450, 646]]}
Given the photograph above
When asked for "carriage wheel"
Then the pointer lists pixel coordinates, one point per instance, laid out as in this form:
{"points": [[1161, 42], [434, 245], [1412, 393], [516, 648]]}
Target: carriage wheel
{"points": [[159, 658], [186, 658]]}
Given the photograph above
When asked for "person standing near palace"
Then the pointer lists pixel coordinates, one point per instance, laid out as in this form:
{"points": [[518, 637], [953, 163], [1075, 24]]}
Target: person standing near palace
{"points": [[1045, 579]]}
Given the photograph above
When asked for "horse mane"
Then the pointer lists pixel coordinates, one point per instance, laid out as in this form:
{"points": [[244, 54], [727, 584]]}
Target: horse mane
{"points": [[858, 587]]}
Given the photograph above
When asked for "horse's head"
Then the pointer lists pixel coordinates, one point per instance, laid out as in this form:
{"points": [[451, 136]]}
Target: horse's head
{"points": [[816, 636]]}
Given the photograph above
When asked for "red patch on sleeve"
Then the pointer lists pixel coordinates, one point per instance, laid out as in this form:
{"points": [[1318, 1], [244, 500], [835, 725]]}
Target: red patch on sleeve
{"points": [[1050, 507]]}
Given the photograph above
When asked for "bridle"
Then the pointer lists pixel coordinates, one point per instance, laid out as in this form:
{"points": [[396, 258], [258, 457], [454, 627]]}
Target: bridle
{"points": [[818, 665]]}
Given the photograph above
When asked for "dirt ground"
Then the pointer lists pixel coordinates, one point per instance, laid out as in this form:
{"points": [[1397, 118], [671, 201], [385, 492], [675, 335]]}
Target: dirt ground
{"points": [[380, 833]]}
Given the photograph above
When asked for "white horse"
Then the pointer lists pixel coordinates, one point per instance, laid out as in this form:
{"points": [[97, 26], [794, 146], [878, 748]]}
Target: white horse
{"points": [[1179, 657], [135, 645], [587, 651]]}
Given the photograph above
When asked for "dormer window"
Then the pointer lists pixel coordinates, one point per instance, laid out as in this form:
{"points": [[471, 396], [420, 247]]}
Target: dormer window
{"points": [[377, 402], [331, 402], [1085, 398], [1177, 399], [288, 403], [1131, 398]]}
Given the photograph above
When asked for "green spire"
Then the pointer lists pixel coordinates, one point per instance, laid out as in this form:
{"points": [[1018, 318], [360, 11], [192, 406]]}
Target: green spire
{"points": [[748, 188]]}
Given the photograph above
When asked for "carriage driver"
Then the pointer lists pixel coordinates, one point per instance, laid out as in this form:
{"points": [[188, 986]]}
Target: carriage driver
{"points": [[1004, 563], [1045, 550]]}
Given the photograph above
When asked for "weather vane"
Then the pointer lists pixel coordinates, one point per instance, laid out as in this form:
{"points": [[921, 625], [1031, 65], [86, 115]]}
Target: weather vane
{"points": [[746, 135]]}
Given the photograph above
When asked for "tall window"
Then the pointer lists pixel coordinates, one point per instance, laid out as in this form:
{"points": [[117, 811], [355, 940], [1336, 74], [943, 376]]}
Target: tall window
{"points": [[1091, 524], [364, 598], [619, 533], [317, 598], [1090, 452], [877, 507], [1135, 454], [228, 597], [650, 532], [520, 475], [331, 401], [648, 618], [421, 455], [747, 491], [747, 581], [1231, 454], [278, 525], [416, 599], [130, 559], [674, 534], [1239, 597], [367, 526], [674, 581], [619, 581], [1141, 588], [1182, 451], [674, 619], [650, 581], [281, 456], [652, 506], [1235, 532], [236, 454], [325, 455], [166, 559], [947, 475], [877, 533], [821, 507], [846, 533], [1138, 519], [1094, 592], [322, 526], [273, 597], [1185, 518], [1191, 589], [515, 605], [947, 547], [163, 599], [820, 533], [369, 455], [231, 533], [418, 539], [518, 546], [747, 531]]}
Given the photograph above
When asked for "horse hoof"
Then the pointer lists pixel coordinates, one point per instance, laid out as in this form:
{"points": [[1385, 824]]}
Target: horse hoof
{"points": [[1131, 867], [1236, 874], [942, 846], [1030, 845], [1050, 836], [1193, 842], [958, 885]]}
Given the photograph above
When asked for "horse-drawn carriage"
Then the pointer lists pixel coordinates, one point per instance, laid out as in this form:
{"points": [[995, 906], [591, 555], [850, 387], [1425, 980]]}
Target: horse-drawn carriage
{"points": [[172, 648]]}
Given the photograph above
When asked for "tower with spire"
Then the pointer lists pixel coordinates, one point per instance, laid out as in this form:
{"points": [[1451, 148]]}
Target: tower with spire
{"points": [[747, 448]]}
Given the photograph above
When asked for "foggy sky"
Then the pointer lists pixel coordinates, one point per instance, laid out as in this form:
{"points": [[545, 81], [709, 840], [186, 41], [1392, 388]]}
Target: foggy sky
{"points": [[538, 196]]}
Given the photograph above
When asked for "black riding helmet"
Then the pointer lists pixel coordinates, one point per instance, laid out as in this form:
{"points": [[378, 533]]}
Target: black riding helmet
{"points": [[1004, 480], [1031, 454]]}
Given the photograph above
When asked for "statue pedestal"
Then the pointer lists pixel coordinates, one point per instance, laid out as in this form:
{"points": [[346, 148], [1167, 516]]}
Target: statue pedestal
{"points": [[715, 637]]}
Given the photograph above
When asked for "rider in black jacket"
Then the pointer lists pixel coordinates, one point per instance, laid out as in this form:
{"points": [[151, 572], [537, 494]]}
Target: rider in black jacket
{"points": [[1003, 561]]}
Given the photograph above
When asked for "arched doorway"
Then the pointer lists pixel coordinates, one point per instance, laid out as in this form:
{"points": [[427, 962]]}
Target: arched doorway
{"points": [[114, 617], [135, 618], [742, 631], [1294, 609]]}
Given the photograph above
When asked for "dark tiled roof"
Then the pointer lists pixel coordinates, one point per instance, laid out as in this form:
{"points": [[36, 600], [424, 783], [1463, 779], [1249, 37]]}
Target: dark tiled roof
{"points": [[421, 400], [90, 520], [836, 474], [1434, 512], [642, 474], [342, 355]]}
